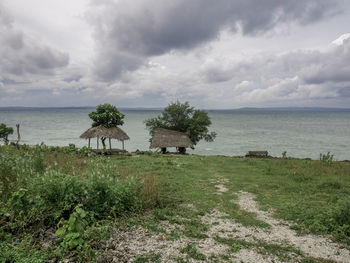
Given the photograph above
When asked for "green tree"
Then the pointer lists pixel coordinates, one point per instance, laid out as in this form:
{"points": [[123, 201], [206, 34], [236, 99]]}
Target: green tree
{"points": [[182, 117], [108, 116], [5, 132]]}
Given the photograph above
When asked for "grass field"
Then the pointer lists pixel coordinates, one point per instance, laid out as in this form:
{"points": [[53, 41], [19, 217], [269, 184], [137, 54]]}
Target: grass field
{"points": [[57, 203]]}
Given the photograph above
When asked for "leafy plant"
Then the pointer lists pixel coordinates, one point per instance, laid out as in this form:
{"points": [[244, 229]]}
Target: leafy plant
{"points": [[5, 132], [72, 231]]}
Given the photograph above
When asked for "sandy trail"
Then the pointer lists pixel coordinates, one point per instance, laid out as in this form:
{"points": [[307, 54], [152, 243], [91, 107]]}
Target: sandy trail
{"points": [[124, 246], [312, 245]]}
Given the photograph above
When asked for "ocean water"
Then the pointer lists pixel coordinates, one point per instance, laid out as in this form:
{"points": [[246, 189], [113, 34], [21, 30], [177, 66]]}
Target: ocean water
{"points": [[303, 134]]}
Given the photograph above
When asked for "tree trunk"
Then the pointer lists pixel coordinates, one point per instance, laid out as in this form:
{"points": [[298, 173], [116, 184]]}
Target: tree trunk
{"points": [[103, 139], [18, 134], [6, 140]]}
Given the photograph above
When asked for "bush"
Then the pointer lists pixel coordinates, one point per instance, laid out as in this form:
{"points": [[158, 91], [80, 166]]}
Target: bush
{"points": [[85, 151], [326, 158], [16, 170], [55, 195], [43, 188]]}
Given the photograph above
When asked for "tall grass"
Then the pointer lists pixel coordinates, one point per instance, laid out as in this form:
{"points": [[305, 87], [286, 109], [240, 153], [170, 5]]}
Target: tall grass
{"points": [[40, 188]]}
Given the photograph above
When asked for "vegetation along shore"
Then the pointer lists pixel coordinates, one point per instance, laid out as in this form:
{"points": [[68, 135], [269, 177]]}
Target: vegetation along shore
{"points": [[60, 204]]}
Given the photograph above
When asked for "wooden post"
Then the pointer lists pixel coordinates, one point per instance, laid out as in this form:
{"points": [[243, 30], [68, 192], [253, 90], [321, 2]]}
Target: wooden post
{"points": [[110, 145], [18, 135], [89, 143], [97, 142], [123, 144]]}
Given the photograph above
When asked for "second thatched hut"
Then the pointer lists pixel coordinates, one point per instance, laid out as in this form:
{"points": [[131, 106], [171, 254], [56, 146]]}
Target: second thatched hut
{"points": [[163, 138], [103, 132]]}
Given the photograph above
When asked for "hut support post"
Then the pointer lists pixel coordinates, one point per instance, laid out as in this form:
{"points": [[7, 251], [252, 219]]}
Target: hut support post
{"points": [[97, 142], [123, 144], [110, 145], [89, 143]]}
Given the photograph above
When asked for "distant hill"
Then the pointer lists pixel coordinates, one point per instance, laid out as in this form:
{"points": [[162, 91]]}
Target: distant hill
{"points": [[252, 109], [245, 109]]}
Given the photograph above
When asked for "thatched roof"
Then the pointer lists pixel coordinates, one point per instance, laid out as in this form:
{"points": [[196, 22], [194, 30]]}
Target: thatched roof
{"points": [[101, 131], [168, 138]]}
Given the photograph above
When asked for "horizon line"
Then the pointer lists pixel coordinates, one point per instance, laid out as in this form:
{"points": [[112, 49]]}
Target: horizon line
{"points": [[160, 108]]}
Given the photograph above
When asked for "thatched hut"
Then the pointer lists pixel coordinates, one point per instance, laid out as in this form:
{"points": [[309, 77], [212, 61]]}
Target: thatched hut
{"points": [[103, 132], [163, 138]]}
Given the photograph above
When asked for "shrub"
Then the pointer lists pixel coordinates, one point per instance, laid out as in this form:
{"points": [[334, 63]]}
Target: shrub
{"points": [[326, 158], [16, 170], [55, 195], [85, 151], [5, 132]]}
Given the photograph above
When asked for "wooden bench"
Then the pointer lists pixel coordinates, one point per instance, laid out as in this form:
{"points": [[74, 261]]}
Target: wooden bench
{"points": [[257, 154]]}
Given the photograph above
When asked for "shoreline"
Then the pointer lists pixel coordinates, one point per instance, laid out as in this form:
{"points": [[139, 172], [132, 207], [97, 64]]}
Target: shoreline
{"points": [[120, 152]]}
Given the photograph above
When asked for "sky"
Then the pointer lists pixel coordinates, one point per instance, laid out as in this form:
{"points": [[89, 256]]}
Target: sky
{"points": [[221, 54]]}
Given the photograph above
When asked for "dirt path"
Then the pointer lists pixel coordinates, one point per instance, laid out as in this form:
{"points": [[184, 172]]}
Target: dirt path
{"points": [[226, 241], [312, 245]]}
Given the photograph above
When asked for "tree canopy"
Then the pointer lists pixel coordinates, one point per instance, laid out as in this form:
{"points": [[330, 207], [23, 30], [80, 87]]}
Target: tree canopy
{"points": [[106, 115], [182, 117], [5, 132]]}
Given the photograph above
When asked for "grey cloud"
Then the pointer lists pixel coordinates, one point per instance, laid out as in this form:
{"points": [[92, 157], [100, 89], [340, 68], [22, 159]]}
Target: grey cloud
{"points": [[295, 75], [345, 91], [332, 66], [111, 65], [311, 66], [72, 78], [22, 55], [135, 30]]}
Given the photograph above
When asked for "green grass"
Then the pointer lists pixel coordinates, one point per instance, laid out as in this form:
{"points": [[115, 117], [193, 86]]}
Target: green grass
{"points": [[147, 258], [193, 252], [314, 195]]}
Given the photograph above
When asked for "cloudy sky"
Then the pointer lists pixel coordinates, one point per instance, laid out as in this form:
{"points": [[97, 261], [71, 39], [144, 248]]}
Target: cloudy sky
{"points": [[147, 53]]}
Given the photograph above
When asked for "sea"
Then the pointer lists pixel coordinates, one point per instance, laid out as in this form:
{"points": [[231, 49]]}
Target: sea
{"points": [[301, 133]]}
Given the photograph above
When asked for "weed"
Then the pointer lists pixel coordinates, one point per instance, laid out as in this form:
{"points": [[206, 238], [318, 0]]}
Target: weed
{"points": [[72, 231], [150, 257], [235, 248], [195, 228], [193, 252]]}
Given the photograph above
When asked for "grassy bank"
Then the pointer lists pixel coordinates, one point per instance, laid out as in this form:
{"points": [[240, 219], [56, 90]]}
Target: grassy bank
{"points": [[60, 203]]}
